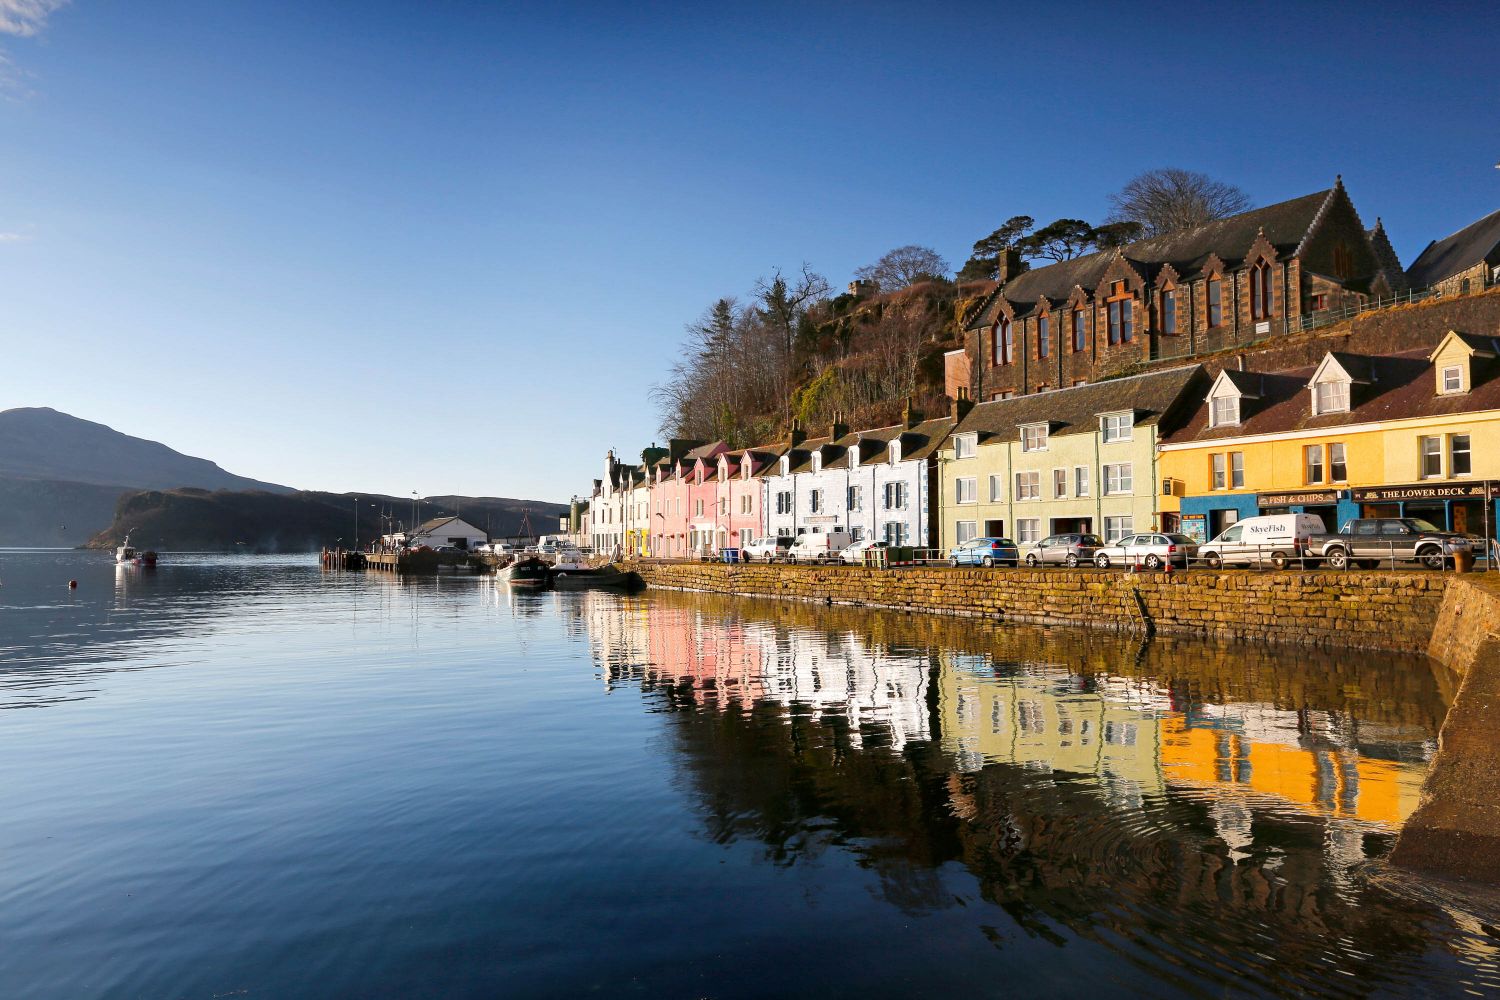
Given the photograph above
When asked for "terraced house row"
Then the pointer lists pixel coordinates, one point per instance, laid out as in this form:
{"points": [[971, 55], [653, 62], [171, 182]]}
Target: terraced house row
{"points": [[1396, 413]]}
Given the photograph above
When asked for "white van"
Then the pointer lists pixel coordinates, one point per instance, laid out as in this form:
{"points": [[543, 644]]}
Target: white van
{"points": [[1278, 539], [819, 546]]}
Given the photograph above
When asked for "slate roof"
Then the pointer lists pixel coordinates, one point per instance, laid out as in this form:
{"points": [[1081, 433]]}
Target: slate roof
{"points": [[1076, 410], [1286, 224], [427, 527], [1248, 383], [1465, 248], [1404, 386]]}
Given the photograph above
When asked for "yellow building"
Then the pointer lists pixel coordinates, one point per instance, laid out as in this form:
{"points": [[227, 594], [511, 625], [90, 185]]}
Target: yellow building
{"points": [[1081, 459], [1414, 434]]}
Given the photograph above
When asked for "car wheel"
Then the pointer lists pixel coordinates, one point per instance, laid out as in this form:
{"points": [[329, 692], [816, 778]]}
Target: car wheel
{"points": [[953, 561], [1102, 561], [1214, 560], [1153, 561], [1338, 559], [1071, 560], [1431, 558], [1031, 560], [1279, 560], [987, 561]]}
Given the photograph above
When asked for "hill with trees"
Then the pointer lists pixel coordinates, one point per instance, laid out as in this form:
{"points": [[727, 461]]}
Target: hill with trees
{"points": [[256, 521], [792, 352]]}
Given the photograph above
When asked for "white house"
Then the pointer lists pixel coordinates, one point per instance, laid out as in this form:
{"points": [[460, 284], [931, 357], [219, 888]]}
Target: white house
{"points": [[447, 531], [873, 484]]}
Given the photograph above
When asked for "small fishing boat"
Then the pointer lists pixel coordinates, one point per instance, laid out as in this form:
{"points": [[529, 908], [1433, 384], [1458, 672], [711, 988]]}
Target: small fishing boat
{"points": [[127, 555], [528, 571], [571, 572]]}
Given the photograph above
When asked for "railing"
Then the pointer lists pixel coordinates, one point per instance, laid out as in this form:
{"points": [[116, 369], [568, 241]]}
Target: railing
{"points": [[1315, 320]]}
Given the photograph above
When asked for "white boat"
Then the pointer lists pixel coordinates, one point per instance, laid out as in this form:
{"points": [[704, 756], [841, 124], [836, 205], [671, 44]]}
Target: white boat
{"points": [[127, 555]]}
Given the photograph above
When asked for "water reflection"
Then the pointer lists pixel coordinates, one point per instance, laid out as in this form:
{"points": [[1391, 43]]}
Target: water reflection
{"points": [[1205, 811]]}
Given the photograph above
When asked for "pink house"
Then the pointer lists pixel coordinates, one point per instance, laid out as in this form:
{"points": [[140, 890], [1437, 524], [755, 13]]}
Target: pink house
{"points": [[669, 511], [741, 496], [704, 522]]}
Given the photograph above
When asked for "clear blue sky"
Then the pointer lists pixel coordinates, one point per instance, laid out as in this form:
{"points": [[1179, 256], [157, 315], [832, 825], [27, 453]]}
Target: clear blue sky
{"points": [[448, 246]]}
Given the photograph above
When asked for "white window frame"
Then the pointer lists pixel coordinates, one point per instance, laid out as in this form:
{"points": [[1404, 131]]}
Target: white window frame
{"points": [[1218, 471], [1028, 530], [1059, 484], [1423, 453], [1340, 401], [856, 498], [966, 490], [1231, 418], [1116, 427], [1236, 470], [895, 451], [1467, 452], [1118, 526], [965, 531], [1034, 437], [965, 446], [815, 501], [997, 487], [1028, 485], [1081, 484], [1124, 479], [1343, 460], [1457, 371]]}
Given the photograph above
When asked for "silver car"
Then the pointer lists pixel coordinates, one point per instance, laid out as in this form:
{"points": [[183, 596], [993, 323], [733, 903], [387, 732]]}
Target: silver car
{"points": [[1070, 549], [1153, 550]]}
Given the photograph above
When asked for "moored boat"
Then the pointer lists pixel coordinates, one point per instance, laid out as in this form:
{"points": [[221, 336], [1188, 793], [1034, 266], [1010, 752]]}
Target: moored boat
{"points": [[528, 571], [128, 555], [580, 577]]}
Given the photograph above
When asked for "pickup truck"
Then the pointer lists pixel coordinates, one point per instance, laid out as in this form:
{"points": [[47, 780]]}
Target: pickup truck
{"points": [[1369, 541]]}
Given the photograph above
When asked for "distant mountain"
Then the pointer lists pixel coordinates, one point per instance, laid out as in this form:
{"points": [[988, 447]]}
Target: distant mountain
{"points": [[257, 521], [41, 443], [60, 477]]}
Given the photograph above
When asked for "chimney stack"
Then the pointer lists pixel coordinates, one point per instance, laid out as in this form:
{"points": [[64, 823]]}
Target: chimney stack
{"points": [[795, 436], [908, 415], [838, 428], [1010, 264], [960, 405]]}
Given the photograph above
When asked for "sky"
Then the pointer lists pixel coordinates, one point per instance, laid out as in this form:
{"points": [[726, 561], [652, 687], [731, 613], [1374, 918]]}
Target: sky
{"points": [[448, 247]]}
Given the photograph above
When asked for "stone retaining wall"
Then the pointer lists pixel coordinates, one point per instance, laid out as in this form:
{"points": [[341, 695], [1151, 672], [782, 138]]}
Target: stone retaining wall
{"points": [[1394, 611]]}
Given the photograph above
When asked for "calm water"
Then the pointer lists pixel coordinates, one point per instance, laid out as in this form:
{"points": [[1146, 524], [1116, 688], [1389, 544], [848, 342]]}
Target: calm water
{"points": [[247, 777]]}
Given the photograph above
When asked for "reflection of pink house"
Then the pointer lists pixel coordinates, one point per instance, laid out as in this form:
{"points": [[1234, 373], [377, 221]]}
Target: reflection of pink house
{"points": [[721, 659], [741, 496]]}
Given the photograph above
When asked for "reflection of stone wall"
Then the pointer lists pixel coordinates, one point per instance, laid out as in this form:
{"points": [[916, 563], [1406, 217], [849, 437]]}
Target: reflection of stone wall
{"points": [[1393, 611]]}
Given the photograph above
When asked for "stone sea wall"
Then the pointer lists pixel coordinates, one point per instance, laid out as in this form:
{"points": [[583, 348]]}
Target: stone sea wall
{"points": [[1455, 832], [1393, 611]]}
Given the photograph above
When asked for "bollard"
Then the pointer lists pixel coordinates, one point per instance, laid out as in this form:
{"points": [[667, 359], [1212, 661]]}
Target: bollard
{"points": [[72, 584]]}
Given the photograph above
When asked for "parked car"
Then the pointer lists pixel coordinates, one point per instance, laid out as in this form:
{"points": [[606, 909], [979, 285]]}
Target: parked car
{"points": [[497, 549], [854, 555], [1152, 550], [985, 552], [1369, 541], [771, 548], [1070, 549], [819, 546], [1274, 538]]}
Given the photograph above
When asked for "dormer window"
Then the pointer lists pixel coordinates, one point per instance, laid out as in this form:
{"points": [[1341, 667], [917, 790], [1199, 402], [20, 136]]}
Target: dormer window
{"points": [[1121, 323], [1004, 344], [786, 465], [1452, 379], [1224, 411], [1331, 397], [1034, 437], [1116, 426], [854, 456], [895, 451], [964, 445], [817, 461]]}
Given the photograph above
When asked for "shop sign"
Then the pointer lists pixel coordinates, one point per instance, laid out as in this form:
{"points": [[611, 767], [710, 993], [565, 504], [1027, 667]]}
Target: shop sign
{"points": [[1195, 526], [822, 519], [1425, 491], [1287, 499]]}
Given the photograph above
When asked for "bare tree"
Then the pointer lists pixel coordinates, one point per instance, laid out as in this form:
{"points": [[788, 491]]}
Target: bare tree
{"points": [[1168, 199], [903, 267]]}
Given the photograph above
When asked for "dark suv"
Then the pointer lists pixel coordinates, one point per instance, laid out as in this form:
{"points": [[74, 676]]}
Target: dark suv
{"points": [[1069, 549]]}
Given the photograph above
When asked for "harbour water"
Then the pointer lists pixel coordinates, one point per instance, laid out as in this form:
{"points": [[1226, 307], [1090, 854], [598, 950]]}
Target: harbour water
{"points": [[250, 777]]}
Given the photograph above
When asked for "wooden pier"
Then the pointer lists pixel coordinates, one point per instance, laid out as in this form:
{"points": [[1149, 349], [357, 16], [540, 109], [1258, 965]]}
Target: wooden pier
{"points": [[405, 561]]}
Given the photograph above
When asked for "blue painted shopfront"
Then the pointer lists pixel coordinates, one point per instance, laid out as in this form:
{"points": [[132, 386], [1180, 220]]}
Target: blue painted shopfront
{"points": [[1455, 507]]}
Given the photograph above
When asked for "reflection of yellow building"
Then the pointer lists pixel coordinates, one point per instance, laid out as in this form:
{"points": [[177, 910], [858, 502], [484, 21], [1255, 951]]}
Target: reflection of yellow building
{"points": [[1031, 718], [1342, 783]]}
